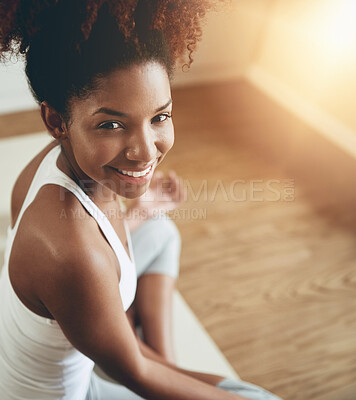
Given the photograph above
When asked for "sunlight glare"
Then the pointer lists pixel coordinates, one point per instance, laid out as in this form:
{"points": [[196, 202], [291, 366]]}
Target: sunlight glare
{"points": [[341, 33]]}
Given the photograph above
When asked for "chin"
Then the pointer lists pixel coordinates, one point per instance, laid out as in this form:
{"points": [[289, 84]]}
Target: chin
{"points": [[132, 193]]}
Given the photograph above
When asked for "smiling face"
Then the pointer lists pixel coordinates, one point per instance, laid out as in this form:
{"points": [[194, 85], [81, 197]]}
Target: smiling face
{"points": [[120, 133]]}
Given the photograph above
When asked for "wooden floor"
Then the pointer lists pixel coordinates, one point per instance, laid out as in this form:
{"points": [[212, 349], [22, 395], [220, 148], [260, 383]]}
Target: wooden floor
{"points": [[268, 240], [272, 278]]}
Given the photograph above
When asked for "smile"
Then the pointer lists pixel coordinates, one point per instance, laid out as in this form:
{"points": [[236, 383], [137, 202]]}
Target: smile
{"points": [[135, 174]]}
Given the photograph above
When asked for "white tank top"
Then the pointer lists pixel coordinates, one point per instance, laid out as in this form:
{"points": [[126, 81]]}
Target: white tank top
{"points": [[37, 361]]}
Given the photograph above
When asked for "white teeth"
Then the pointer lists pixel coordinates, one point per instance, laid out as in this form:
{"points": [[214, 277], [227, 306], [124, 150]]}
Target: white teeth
{"points": [[135, 174]]}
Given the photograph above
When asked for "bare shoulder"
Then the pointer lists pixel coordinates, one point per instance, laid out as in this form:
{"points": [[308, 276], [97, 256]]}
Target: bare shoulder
{"points": [[65, 264], [57, 240], [24, 180]]}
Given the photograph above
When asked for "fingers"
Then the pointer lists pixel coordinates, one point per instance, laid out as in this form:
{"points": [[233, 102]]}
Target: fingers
{"points": [[157, 179], [171, 185], [156, 184], [177, 186], [173, 181]]}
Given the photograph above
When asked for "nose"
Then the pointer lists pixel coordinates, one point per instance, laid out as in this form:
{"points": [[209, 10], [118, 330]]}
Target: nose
{"points": [[141, 145]]}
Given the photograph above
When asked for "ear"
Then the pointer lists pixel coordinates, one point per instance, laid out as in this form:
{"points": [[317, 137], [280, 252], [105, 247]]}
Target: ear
{"points": [[53, 121]]}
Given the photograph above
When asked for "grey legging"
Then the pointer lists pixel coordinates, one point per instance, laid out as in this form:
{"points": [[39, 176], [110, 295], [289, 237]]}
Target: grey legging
{"points": [[101, 389], [156, 247]]}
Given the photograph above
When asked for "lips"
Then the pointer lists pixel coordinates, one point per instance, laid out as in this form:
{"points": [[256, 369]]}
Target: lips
{"points": [[135, 174], [135, 177]]}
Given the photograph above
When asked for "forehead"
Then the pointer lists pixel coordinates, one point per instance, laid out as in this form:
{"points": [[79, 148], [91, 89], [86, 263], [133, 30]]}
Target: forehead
{"points": [[137, 88]]}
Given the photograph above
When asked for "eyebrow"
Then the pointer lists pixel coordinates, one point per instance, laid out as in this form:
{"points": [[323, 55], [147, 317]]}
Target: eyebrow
{"points": [[169, 102], [105, 110]]}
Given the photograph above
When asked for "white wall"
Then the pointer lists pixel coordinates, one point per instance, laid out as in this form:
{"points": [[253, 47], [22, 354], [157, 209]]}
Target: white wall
{"points": [[307, 62], [230, 39], [14, 92], [310, 45]]}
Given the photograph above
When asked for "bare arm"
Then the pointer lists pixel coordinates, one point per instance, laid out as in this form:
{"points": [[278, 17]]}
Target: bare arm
{"points": [[83, 295], [150, 353]]}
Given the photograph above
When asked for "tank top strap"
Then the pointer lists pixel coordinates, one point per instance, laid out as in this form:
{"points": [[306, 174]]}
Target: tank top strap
{"points": [[49, 173], [100, 217]]}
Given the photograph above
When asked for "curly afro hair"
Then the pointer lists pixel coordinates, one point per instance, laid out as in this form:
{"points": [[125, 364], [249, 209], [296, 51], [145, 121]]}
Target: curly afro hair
{"points": [[69, 44]]}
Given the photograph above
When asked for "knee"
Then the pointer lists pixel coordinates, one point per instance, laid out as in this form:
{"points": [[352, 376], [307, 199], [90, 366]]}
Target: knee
{"points": [[165, 230], [171, 231], [156, 246], [166, 236]]}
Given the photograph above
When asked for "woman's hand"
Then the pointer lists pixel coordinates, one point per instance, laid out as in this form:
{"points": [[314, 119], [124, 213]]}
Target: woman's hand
{"points": [[164, 194]]}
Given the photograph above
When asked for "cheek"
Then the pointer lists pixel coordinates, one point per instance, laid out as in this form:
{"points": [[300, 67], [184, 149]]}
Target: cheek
{"points": [[168, 140], [103, 153], [91, 155]]}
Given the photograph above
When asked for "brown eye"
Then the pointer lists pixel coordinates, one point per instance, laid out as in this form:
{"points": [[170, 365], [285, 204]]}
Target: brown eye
{"points": [[110, 125], [162, 117]]}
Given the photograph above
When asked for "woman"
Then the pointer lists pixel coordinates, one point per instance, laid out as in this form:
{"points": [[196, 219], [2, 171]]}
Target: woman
{"points": [[100, 71]]}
